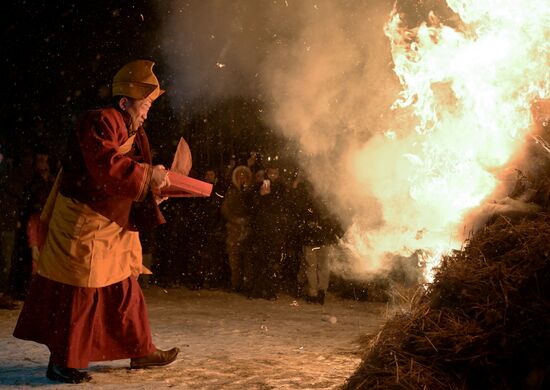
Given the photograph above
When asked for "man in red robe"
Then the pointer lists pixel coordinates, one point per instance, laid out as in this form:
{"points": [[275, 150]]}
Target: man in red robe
{"points": [[85, 303]]}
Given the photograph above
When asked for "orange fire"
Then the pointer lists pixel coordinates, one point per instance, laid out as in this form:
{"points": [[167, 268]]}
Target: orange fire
{"points": [[468, 92]]}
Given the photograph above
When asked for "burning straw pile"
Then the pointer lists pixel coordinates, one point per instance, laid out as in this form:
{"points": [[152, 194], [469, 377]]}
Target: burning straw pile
{"points": [[483, 324]]}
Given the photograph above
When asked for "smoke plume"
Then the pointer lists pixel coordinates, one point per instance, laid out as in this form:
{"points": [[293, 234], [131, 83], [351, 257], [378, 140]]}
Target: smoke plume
{"points": [[325, 72], [323, 67]]}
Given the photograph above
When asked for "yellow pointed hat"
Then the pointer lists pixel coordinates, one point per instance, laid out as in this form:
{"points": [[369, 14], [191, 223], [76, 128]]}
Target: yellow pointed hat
{"points": [[137, 80]]}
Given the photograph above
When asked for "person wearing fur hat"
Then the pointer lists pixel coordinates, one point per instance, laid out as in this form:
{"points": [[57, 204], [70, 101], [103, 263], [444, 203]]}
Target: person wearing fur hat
{"points": [[236, 209], [85, 303]]}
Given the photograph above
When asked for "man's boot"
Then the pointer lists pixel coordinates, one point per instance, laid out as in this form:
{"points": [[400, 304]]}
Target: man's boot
{"points": [[66, 375], [155, 359]]}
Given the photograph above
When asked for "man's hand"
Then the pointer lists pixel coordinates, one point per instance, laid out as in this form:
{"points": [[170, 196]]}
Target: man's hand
{"points": [[159, 179], [159, 199], [265, 188]]}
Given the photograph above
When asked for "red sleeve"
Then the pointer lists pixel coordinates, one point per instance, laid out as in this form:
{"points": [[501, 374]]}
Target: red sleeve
{"points": [[33, 226], [100, 138]]}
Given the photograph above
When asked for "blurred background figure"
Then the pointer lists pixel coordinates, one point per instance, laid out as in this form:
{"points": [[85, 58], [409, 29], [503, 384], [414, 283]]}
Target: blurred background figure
{"points": [[259, 176], [208, 268], [236, 212], [319, 230], [14, 176], [268, 234], [8, 225], [294, 280], [37, 194], [212, 252]]}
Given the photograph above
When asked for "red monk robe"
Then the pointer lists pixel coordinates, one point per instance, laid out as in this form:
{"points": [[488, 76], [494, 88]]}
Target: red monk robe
{"points": [[85, 303]]}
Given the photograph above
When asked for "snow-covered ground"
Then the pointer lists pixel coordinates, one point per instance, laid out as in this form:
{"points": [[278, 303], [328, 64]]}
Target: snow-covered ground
{"points": [[226, 342]]}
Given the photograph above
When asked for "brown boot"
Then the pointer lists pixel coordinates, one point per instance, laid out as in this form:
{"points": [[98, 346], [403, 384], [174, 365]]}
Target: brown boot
{"points": [[155, 359]]}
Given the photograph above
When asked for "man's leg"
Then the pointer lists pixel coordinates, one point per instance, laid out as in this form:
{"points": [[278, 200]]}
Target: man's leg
{"points": [[310, 257], [323, 272]]}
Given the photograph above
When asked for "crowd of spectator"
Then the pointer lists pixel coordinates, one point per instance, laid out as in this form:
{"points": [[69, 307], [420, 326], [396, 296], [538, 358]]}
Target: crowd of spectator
{"points": [[260, 233]]}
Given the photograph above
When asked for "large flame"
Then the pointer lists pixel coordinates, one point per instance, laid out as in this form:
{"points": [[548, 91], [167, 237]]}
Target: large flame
{"points": [[468, 90]]}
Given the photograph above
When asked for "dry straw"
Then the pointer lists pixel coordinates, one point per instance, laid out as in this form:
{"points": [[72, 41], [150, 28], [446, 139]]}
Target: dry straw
{"points": [[483, 324]]}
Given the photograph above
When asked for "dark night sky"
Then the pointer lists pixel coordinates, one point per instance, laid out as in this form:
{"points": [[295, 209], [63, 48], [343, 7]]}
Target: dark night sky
{"points": [[58, 58]]}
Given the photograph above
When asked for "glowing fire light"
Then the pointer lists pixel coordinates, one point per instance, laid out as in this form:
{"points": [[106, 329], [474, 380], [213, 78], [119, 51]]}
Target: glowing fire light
{"points": [[469, 91]]}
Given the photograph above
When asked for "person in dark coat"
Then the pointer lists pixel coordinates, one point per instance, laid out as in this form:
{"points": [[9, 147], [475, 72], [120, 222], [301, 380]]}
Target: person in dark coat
{"points": [[236, 212], [13, 180], [318, 231], [209, 270], [268, 234], [38, 192]]}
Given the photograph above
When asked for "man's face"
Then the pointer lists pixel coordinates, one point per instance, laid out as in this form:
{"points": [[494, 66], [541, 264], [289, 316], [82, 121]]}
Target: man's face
{"points": [[41, 165], [138, 110], [273, 174], [260, 176], [210, 177], [41, 161], [243, 179]]}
